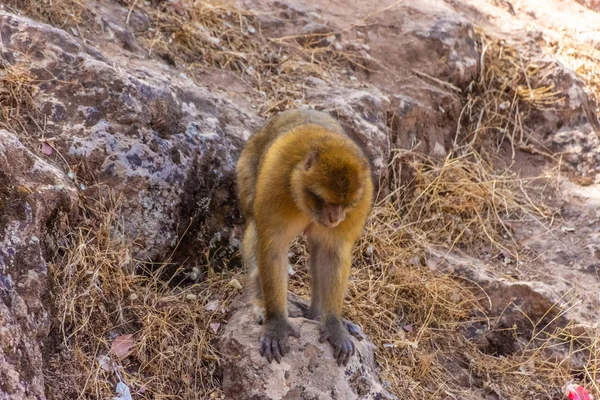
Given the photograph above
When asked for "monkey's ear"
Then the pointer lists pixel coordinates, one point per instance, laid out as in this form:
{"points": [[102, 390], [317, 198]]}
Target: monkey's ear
{"points": [[311, 159]]}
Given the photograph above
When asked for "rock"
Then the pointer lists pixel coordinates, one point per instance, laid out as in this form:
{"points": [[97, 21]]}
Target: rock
{"points": [[33, 195], [167, 147], [424, 119], [316, 35], [307, 372], [571, 126], [428, 38]]}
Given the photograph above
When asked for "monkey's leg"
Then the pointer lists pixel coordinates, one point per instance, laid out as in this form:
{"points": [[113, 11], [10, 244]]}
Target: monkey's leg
{"points": [[332, 274], [314, 312], [272, 267], [249, 249]]}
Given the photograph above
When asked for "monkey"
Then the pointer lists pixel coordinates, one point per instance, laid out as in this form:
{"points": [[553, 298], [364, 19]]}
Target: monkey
{"points": [[301, 173]]}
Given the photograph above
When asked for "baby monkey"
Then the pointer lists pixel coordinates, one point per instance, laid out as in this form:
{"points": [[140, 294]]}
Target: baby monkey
{"points": [[301, 173]]}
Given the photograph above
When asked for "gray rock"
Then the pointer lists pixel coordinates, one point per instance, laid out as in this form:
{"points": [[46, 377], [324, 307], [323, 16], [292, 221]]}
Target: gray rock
{"points": [[309, 371], [33, 194]]}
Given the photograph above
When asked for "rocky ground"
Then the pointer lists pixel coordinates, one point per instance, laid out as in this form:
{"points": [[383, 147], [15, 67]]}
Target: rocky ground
{"points": [[479, 271]]}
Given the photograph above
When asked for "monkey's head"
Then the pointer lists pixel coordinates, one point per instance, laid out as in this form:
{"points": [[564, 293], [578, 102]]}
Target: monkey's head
{"points": [[329, 182]]}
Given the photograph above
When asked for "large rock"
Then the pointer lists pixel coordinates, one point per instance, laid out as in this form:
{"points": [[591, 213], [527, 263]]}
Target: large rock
{"points": [[33, 196], [571, 126], [168, 147], [309, 371]]}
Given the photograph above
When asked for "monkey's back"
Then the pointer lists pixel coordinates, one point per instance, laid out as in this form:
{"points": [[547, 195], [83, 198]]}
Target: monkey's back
{"points": [[258, 144]]}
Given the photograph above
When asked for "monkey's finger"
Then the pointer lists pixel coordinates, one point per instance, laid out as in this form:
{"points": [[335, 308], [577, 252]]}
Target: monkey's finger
{"points": [[343, 357], [337, 352], [283, 346], [350, 352], [347, 359], [294, 332], [354, 330], [265, 349], [275, 350]]}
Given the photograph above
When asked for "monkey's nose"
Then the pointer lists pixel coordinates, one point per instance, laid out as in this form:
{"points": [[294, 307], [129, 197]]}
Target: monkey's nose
{"points": [[335, 218]]}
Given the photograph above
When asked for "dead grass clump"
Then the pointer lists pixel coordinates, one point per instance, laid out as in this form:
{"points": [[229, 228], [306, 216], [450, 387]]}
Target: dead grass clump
{"points": [[583, 59], [120, 323], [211, 35], [459, 202], [498, 103], [17, 108], [63, 14]]}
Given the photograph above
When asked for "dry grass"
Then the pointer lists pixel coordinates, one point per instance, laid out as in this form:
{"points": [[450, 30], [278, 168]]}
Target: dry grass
{"points": [[102, 292], [498, 103], [200, 35], [583, 59], [63, 14], [18, 111], [460, 202]]}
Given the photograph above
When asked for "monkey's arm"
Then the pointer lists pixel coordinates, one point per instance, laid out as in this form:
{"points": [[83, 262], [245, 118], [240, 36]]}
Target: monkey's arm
{"points": [[333, 259], [330, 267], [273, 243]]}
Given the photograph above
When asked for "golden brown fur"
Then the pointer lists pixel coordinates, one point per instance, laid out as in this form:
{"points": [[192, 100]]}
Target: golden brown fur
{"points": [[301, 172]]}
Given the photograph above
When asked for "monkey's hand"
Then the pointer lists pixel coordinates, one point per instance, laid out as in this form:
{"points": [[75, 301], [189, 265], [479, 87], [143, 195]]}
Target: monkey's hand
{"points": [[334, 331], [274, 339]]}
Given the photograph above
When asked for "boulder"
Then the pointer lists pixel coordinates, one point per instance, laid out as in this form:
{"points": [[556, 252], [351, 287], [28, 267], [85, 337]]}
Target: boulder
{"points": [[166, 146], [34, 195], [309, 371]]}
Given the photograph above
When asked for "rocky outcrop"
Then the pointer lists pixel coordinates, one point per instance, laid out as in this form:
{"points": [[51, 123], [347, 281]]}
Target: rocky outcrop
{"points": [[33, 195], [309, 371], [166, 146]]}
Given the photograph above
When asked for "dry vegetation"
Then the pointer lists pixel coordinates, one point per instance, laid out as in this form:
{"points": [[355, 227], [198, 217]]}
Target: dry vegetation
{"points": [[411, 313], [104, 295], [17, 108], [582, 58], [508, 88]]}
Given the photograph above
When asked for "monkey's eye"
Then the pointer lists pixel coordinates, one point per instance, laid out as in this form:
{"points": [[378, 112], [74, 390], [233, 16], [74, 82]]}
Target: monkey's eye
{"points": [[318, 200]]}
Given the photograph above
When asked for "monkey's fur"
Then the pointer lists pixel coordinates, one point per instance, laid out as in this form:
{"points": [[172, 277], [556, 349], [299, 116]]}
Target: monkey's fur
{"points": [[300, 172]]}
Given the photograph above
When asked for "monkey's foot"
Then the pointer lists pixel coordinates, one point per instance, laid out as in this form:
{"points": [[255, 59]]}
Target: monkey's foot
{"points": [[274, 339], [337, 335], [351, 327]]}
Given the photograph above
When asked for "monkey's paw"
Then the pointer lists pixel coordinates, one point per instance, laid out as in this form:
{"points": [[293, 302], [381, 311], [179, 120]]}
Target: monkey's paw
{"points": [[274, 340], [336, 334]]}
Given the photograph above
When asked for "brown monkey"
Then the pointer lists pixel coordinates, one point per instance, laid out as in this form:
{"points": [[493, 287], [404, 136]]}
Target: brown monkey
{"points": [[300, 172]]}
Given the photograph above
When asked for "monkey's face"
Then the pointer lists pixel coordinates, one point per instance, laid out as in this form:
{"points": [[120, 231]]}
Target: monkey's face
{"points": [[329, 186], [326, 213]]}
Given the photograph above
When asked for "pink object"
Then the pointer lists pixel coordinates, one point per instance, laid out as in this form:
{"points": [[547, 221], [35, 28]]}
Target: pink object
{"points": [[577, 393], [47, 149], [122, 346]]}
